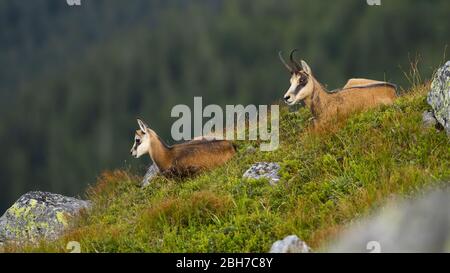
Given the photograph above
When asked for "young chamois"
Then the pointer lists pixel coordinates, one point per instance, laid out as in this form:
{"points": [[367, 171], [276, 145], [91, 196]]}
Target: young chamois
{"points": [[184, 159], [357, 94]]}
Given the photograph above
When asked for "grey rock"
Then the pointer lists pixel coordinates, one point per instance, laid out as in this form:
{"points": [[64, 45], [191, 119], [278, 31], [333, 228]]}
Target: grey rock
{"points": [[420, 225], [428, 119], [439, 96], [151, 173], [2, 224], [38, 215], [290, 244], [267, 170]]}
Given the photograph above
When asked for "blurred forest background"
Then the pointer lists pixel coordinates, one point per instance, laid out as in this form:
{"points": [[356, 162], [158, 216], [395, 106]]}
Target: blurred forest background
{"points": [[73, 79]]}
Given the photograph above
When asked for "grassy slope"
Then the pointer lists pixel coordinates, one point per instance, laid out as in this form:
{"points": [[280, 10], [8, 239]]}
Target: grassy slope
{"points": [[328, 180]]}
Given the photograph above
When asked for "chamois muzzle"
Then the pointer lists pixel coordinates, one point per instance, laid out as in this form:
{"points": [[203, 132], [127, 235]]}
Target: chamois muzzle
{"points": [[133, 151]]}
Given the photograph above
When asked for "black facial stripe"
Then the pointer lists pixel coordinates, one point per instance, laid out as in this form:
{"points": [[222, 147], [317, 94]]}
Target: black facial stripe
{"points": [[300, 87]]}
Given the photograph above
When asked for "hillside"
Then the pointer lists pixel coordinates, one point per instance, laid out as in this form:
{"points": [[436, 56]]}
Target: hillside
{"points": [[73, 79], [328, 179]]}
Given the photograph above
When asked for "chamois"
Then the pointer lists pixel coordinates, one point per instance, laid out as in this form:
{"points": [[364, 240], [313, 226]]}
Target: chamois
{"points": [[357, 94], [181, 160]]}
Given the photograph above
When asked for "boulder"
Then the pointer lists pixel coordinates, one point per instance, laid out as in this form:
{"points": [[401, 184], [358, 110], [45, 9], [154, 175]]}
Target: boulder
{"points": [[267, 170], [38, 215], [439, 96], [290, 244], [419, 225]]}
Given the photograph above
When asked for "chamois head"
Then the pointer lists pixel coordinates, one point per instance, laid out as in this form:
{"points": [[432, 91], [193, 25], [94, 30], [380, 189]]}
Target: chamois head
{"points": [[141, 143], [302, 84]]}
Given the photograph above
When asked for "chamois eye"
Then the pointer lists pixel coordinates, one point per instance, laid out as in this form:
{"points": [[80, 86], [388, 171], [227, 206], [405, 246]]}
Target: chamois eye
{"points": [[138, 140]]}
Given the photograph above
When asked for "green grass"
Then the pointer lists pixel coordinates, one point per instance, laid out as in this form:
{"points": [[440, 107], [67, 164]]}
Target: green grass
{"points": [[329, 179]]}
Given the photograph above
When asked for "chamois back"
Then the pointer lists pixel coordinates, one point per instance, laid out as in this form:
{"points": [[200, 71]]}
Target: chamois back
{"points": [[354, 98], [203, 154], [360, 82]]}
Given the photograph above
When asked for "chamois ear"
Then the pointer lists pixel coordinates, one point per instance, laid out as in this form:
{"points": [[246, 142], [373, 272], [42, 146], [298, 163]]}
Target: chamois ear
{"points": [[142, 125], [306, 67]]}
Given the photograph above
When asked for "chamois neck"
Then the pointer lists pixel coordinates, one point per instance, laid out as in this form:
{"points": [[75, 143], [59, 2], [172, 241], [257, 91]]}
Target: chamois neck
{"points": [[159, 152], [318, 98]]}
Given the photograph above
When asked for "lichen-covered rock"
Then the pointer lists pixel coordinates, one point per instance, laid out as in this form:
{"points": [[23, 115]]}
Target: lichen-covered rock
{"points": [[152, 172], [290, 244], [420, 225], [38, 215], [439, 96], [268, 170]]}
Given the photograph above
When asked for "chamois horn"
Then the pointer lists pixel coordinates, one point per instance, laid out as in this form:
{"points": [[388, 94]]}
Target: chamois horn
{"points": [[288, 67], [298, 67]]}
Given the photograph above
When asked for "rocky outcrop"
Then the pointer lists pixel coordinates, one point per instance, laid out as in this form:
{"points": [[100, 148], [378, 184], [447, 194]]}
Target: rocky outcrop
{"points": [[267, 170], [421, 225], [439, 96], [290, 244], [38, 215]]}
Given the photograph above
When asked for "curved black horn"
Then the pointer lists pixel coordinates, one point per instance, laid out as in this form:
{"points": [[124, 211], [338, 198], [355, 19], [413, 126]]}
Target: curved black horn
{"points": [[298, 67], [288, 67]]}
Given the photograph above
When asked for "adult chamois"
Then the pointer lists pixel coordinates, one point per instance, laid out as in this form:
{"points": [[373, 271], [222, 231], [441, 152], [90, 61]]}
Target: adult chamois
{"points": [[181, 160], [357, 94]]}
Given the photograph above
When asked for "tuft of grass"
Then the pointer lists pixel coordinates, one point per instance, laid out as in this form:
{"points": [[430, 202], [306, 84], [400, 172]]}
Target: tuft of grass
{"points": [[329, 178], [413, 76], [203, 207]]}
